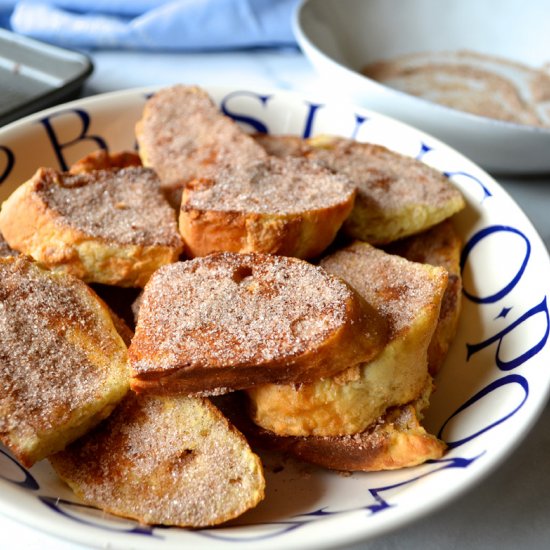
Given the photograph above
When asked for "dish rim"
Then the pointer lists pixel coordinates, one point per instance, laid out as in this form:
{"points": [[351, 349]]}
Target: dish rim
{"points": [[304, 39]]}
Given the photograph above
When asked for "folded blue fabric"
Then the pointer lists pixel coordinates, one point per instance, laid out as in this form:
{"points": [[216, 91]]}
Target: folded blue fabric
{"points": [[153, 24]]}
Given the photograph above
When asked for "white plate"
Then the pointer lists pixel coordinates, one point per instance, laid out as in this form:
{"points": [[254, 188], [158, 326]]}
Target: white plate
{"points": [[490, 392], [342, 36]]}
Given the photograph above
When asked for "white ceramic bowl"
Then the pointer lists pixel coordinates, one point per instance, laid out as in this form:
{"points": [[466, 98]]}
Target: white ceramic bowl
{"points": [[490, 392], [340, 37]]}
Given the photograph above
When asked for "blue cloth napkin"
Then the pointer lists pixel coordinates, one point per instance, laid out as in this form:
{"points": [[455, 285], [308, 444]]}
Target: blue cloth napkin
{"points": [[153, 24]]}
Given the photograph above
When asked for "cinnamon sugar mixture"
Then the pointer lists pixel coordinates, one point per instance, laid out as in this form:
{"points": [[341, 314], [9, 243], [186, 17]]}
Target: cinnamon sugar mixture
{"points": [[44, 375], [124, 206], [289, 185], [383, 177], [473, 82], [229, 309], [396, 287]]}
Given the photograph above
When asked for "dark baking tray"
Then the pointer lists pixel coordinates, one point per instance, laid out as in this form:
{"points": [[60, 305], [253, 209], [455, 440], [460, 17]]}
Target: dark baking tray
{"points": [[35, 75]]}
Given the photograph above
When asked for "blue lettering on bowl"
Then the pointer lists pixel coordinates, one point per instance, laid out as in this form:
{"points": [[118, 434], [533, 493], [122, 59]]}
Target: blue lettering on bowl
{"points": [[476, 239], [84, 123], [9, 163], [487, 390], [28, 481], [256, 124]]}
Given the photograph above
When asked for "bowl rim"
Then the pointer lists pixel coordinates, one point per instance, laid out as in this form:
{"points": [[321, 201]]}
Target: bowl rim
{"points": [[305, 41]]}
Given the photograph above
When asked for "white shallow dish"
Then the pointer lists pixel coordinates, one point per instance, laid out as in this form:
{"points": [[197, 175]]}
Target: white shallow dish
{"points": [[490, 392], [340, 37]]}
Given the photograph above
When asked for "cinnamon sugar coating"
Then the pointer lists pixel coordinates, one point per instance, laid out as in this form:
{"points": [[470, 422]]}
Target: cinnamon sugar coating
{"points": [[123, 206], [273, 186], [235, 320], [182, 135], [164, 460], [106, 226], [62, 363]]}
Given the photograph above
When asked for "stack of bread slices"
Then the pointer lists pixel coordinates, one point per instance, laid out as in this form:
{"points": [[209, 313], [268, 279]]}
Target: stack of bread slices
{"points": [[165, 314]]}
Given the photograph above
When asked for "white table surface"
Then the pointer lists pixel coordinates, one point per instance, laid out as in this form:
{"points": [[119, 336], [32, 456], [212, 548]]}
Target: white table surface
{"points": [[487, 517]]}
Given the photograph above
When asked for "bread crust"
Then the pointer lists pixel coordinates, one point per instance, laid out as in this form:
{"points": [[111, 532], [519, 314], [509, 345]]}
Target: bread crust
{"points": [[302, 235], [399, 441], [248, 325], [283, 145], [409, 296], [31, 226], [164, 460]]}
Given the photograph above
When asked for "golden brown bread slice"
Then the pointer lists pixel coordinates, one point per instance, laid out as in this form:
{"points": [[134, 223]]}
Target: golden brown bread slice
{"points": [[397, 196], [439, 245], [229, 321], [164, 460], [112, 227], [408, 295], [120, 323], [183, 135], [63, 366], [395, 440], [103, 160], [291, 207]]}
